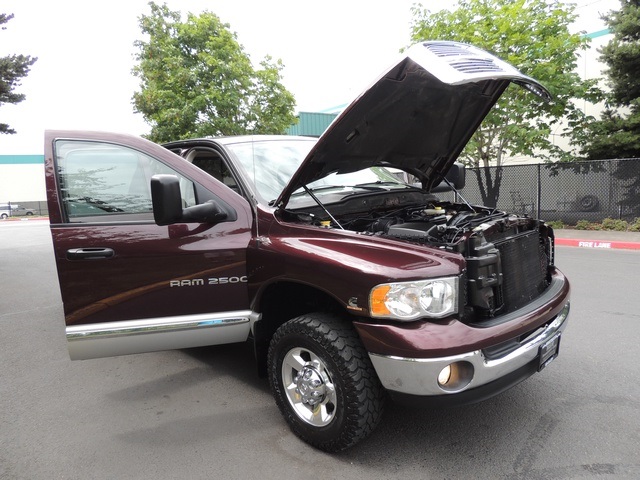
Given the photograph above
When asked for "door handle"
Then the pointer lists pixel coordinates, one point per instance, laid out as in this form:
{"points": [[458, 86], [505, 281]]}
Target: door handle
{"points": [[91, 253]]}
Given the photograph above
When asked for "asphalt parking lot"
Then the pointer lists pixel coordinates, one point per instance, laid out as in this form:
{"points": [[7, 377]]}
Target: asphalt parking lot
{"points": [[204, 413]]}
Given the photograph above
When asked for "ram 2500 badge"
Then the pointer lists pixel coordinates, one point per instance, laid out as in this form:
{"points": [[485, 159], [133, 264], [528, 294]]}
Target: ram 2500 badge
{"points": [[335, 257]]}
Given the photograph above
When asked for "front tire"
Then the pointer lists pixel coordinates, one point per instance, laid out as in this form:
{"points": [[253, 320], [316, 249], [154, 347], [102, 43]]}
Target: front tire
{"points": [[323, 381]]}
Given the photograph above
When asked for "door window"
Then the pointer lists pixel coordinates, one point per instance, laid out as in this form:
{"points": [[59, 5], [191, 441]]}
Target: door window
{"points": [[111, 182]]}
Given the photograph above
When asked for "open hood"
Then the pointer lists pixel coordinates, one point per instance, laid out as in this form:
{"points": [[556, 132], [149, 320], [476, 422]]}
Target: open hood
{"points": [[417, 116]]}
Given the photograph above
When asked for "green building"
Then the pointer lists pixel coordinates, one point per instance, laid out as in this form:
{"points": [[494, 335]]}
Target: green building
{"points": [[311, 124]]}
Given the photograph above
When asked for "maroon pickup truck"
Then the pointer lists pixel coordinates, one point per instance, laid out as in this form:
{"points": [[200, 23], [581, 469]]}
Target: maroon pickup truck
{"points": [[335, 257]]}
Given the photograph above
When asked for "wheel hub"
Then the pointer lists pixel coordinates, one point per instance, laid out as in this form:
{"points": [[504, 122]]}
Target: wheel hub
{"points": [[310, 385]]}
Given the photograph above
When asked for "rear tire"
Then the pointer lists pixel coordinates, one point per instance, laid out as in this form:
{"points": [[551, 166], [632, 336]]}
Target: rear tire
{"points": [[323, 381]]}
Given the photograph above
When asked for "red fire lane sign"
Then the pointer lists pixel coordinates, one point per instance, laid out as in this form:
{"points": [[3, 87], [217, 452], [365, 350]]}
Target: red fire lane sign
{"points": [[571, 242]]}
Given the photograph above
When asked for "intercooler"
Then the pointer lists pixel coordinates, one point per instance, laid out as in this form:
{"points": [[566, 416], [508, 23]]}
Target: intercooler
{"points": [[505, 273], [524, 269]]}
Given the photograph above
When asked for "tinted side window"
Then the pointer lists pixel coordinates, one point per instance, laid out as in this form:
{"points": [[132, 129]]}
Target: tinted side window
{"points": [[105, 180], [215, 166]]}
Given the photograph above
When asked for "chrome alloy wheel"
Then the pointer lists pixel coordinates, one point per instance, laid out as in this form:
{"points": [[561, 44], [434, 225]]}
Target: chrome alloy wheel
{"points": [[309, 387]]}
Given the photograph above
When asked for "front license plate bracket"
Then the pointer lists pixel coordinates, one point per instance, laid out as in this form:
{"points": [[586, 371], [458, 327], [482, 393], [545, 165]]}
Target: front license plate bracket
{"points": [[548, 352]]}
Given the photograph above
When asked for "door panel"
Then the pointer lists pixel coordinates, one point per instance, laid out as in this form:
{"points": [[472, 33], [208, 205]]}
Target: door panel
{"points": [[120, 274], [149, 273]]}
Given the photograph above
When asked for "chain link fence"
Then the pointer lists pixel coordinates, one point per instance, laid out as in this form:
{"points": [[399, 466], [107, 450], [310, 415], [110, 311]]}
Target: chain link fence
{"points": [[569, 192]]}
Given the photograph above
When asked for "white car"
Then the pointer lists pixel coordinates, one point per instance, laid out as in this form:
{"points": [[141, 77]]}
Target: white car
{"points": [[7, 211]]}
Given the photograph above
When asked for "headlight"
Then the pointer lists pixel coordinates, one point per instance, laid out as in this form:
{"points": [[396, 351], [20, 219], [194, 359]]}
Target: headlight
{"points": [[410, 300]]}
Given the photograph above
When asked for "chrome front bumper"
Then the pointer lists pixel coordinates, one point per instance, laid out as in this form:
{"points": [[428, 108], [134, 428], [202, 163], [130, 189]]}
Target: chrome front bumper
{"points": [[419, 376]]}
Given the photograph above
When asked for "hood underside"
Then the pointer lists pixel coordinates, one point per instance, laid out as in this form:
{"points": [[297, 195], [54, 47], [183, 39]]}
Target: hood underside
{"points": [[417, 116]]}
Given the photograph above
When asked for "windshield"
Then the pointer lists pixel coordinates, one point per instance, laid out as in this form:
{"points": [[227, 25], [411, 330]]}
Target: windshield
{"points": [[270, 164]]}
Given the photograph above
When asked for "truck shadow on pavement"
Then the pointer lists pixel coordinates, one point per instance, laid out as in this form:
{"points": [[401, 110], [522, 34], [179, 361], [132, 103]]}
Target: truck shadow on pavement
{"points": [[521, 433], [236, 360], [199, 366]]}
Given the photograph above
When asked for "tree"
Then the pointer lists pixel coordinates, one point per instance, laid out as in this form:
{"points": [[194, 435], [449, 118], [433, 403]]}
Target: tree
{"points": [[12, 69], [196, 80], [534, 36], [617, 133]]}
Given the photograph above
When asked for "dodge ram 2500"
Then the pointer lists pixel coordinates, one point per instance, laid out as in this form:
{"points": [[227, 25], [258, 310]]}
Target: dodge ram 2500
{"points": [[335, 256]]}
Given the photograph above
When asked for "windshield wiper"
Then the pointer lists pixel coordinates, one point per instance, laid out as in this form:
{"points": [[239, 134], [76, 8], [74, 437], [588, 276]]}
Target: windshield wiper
{"points": [[339, 187], [377, 185]]}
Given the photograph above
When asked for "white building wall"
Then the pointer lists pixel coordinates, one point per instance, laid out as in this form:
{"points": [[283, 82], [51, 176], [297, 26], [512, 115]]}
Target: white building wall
{"points": [[22, 183]]}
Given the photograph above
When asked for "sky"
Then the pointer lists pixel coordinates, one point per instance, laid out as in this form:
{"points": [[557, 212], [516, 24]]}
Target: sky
{"points": [[332, 50]]}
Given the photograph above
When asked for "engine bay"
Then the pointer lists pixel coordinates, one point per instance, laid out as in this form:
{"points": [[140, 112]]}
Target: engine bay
{"points": [[432, 222], [508, 257]]}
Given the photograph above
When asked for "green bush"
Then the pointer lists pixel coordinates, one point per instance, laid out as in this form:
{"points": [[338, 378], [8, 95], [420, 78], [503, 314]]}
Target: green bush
{"points": [[555, 224], [607, 224], [585, 225], [614, 224]]}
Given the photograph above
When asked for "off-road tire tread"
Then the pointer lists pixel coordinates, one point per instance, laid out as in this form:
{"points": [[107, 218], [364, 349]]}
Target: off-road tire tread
{"points": [[364, 395]]}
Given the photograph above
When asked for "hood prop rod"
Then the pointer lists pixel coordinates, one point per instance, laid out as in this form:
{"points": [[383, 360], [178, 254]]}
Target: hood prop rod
{"points": [[459, 194], [315, 199]]}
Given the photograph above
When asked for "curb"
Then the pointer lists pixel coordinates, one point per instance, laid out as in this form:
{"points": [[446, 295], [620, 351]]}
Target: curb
{"points": [[598, 244]]}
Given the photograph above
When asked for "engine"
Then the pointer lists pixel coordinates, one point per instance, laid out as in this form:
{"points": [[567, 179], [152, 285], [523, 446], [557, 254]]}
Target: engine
{"points": [[507, 256], [443, 224]]}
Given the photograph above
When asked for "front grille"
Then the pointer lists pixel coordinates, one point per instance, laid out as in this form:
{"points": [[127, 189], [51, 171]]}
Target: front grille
{"points": [[524, 269]]}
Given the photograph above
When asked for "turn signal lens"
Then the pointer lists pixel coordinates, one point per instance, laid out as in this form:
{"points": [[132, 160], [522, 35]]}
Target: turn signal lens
{"points": [[378, 295]]}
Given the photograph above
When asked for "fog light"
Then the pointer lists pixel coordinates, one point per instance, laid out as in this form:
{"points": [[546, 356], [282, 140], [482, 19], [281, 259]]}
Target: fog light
{"points": [[445, 375], [455, 377]]}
